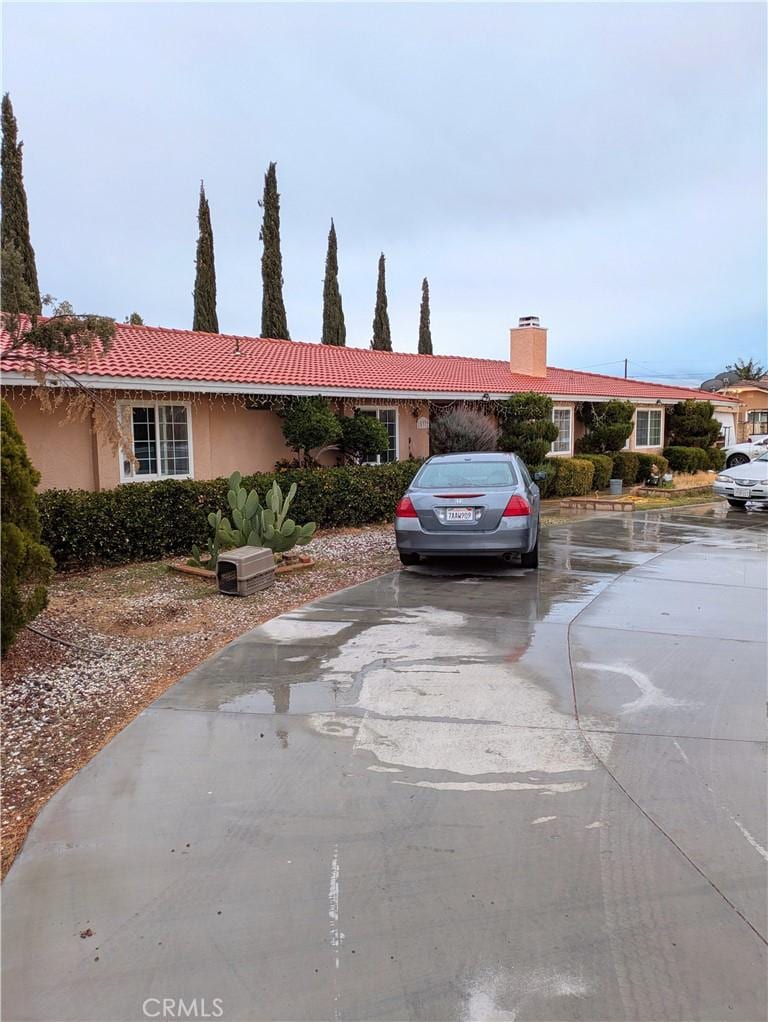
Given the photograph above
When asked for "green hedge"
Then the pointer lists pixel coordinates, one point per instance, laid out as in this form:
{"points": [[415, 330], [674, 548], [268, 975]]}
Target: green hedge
{"points": [[546, 485], [574, 477], [687, 459], [626, 465], [146, 521], [646, 461], [603, 468], [716, 458]]}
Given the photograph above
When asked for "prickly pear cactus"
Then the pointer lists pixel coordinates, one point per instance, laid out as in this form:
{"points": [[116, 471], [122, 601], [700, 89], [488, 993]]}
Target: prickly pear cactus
{"points": [[254, 525]]}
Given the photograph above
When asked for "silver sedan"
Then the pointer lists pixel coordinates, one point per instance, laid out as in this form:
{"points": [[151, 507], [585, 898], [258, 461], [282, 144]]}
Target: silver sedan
{"points": [[467, 504]]}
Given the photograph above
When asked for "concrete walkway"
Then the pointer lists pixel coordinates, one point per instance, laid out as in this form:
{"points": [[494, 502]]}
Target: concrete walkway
{"points": [[448, 793]]}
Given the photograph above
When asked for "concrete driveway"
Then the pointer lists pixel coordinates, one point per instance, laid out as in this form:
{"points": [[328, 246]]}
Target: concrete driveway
{"points": [[438, 795]]}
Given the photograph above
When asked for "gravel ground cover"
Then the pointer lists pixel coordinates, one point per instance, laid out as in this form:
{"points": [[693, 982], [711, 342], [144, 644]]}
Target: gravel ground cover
{"points": [[133, 631]]}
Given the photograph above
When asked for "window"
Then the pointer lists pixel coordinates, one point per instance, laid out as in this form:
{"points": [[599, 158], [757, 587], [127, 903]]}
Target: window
{"points": [[389, 417], [648, 428], [466, 473], [159, 434], [758, 421], [562, 419]]}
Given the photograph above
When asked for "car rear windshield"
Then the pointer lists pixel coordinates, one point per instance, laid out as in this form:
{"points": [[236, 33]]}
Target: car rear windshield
{"points": [[466, 473]]}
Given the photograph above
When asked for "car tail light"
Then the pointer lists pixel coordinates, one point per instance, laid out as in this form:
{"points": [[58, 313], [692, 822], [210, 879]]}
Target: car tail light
{"points": [[516, 506], [405, 509]]}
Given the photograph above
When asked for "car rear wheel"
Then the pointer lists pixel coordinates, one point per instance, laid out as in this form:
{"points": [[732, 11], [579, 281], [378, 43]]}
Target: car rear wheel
{"points": [[409, 559], [531, 560], [736, 459], [737, 503]]}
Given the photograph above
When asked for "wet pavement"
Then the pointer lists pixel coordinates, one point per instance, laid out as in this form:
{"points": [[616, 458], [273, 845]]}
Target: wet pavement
{"points": [[463, 791]]}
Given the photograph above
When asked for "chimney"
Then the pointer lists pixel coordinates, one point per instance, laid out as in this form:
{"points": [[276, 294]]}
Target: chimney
{"points": [[528, 347]]}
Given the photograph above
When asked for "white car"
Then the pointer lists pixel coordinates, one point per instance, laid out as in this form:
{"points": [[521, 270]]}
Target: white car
{"points": [[744, 482], [740, 454]]}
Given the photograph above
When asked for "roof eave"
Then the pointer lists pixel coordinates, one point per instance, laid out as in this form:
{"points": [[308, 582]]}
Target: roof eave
{"points": [[176, 386]]}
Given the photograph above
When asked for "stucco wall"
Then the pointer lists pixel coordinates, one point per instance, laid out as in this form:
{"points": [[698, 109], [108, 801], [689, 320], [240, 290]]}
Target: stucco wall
{"points": [[232, 437], [61, 450]]}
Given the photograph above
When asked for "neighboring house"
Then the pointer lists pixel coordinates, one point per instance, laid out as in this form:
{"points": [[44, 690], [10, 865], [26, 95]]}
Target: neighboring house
{"points": [[752, 415], [202, 405]]}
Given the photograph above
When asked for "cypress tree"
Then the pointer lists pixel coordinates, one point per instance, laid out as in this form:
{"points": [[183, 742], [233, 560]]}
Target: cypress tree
{"points": [[205, 317], [14, 229], [382, 338], [273, 319], [334, 330], [425, 334]]}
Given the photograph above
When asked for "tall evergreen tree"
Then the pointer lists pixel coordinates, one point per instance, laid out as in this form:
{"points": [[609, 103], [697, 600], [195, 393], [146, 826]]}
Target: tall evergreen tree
{"points": [[382, 338], [273, 319], [334, 330], [14, 229], [425, 334], [205, 317]]}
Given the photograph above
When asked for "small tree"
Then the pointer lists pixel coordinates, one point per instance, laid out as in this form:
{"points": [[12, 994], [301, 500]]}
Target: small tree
{"points": [[609, 425], [691, 424], [425, 333], [26, 564], [459, 430], [747, 369], [363, 437], [310, 424], [382, 337], [527, 427], [134, 320], [273, 319], [334, 330]]}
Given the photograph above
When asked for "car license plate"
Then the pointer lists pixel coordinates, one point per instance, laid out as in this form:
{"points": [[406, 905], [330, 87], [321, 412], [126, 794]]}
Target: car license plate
{"points": [[741, 491], [459, 514]]}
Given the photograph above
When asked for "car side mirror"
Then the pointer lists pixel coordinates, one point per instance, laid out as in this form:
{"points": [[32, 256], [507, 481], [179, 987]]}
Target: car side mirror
{"points": [[539, 476]]}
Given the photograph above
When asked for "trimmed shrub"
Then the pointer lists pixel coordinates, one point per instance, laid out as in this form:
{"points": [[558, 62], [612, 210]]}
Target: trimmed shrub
{"points": [[26, 564], [691, 424], [527, 428], [626, 465], [603, 468], [309, 424], [574, 477], [646, 462], [547, 484], [363, 437], [716, 458], [146, 521], [687, 459], [609, 424], [460, 430]]}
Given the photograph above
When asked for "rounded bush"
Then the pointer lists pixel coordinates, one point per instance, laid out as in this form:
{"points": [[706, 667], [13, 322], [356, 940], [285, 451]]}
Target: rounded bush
{"points": [[646, 462], [574, 477], [626, 465], [460, 431], [603, 468], [687, 459]]}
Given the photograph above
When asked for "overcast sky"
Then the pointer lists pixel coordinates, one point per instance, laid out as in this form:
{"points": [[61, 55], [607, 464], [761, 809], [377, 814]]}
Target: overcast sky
{"points": [[600, 166]]}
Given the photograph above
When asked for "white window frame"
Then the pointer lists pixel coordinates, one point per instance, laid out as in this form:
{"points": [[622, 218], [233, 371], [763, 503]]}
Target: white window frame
{"points": [[384, 408], [650, 411], [127, 407], [563, 454]]}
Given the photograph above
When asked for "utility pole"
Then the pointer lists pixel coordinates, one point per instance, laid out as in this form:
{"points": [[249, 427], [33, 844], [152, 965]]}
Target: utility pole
{"points": [[625, 368]]}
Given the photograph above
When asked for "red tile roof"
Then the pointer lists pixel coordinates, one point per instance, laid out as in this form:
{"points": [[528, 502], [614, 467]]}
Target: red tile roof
{"points": [[164, 355]]}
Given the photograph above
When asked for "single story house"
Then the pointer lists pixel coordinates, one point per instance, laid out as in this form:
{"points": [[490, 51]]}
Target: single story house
{"points": [[202, 405], [752, 416]]}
